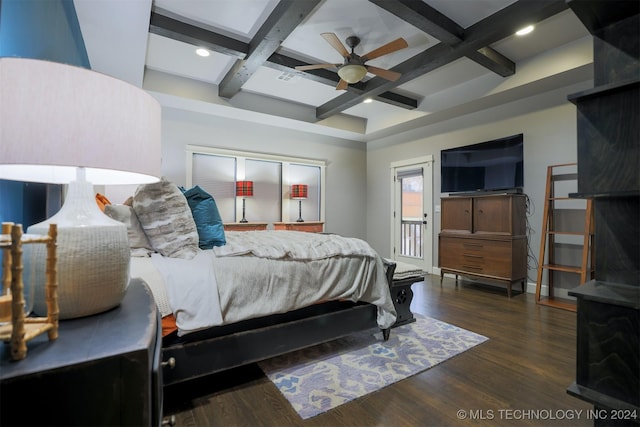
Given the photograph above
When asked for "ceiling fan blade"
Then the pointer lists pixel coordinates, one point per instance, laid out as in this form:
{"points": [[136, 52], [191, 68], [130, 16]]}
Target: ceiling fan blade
{"points": [[314, 67], [385, 74], [342, 85], [397, 44], [335, 42]]}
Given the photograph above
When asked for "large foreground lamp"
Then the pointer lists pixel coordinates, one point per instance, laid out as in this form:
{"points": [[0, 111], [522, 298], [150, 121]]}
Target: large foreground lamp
{"points": [[69, 125], [299, 193], [244, 189]]}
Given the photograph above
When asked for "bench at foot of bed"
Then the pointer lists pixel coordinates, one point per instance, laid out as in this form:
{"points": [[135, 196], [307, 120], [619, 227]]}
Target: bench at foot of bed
{"points": [[402, 296], [404, 275]]}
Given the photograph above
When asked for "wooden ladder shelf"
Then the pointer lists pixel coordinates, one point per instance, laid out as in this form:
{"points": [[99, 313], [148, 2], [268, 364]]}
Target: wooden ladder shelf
{"points": [[550, 231]]}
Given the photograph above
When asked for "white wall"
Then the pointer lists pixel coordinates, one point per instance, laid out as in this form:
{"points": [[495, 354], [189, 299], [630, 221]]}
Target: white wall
{"points": [[346, 159], [548, 122], [358, 192]]}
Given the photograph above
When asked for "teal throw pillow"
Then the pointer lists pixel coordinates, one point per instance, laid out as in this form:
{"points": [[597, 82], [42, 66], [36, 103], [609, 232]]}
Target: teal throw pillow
{"points": [[206, 216]]}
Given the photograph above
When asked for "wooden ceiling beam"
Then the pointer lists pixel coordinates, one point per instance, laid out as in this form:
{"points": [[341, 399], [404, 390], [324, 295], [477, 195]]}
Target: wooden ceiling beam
{"points": [[429, 20], [494, 28], [286, 16], [179, 28], [166, 24]]}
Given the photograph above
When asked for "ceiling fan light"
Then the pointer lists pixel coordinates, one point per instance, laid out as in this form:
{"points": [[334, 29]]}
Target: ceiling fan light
{"points": [[352, 73]]}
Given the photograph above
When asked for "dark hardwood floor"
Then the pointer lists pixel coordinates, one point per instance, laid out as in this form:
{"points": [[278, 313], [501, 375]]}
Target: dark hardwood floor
{"points": [[518, 377]]}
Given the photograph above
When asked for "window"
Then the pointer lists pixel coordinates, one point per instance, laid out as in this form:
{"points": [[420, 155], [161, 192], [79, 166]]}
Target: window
{"points": [[217, 170], [411, 212], [311, 176], [216, 176], [267, 189]]}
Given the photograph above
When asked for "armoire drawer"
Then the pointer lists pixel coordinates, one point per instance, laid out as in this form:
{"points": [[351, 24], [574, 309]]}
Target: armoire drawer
{"points": [[479, 256]]}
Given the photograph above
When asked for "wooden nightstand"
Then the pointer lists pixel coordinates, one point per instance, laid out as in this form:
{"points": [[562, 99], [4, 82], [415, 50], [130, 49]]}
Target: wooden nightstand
{"points": [[308, 226], [102, 370], [245, 226]]}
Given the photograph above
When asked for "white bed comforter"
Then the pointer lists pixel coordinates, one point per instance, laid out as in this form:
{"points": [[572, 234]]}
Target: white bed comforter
{"points": [[265, 272]]}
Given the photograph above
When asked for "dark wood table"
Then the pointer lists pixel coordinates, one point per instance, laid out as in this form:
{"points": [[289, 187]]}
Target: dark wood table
{"points": [[102, 370]]}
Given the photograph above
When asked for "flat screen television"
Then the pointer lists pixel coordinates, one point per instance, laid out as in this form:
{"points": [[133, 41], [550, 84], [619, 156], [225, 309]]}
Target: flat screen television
{"points": [[487, 166]]}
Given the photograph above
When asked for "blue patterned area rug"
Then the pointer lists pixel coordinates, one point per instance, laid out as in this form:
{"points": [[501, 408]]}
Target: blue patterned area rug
{"points": [[319, 378]]}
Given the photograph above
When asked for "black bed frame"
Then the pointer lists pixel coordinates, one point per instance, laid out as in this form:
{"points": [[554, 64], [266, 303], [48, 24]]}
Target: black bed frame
{"points": [[225, 347]]}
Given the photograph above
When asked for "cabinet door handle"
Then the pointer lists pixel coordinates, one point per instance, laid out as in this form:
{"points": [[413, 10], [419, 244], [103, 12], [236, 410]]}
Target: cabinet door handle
{"points": [[171, 363], [169, 421], [472, 267], [473, 256]]}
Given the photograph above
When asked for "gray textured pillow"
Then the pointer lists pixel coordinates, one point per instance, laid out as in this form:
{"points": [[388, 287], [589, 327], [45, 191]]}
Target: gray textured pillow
{"points": [[166, 218], [138, 241]]}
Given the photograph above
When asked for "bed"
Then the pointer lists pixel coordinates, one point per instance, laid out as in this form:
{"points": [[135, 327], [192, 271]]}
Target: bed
{"points": [[264, 294], [253, 295]]}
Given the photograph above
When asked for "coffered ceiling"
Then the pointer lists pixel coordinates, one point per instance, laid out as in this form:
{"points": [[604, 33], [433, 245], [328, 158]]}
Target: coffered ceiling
{"points": [[462, 55]]}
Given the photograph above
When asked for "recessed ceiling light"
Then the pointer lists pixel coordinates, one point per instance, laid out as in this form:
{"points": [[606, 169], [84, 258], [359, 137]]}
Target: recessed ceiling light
{"points": [[367, 101], [202, 52], [524, 31]]}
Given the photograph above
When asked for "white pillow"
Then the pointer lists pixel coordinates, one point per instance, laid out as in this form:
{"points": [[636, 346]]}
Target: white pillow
{"points": [[138, 241], [166, 219]]}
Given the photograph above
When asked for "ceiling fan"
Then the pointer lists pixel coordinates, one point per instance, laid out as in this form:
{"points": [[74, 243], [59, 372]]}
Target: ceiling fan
{"points": [[354, 69]]}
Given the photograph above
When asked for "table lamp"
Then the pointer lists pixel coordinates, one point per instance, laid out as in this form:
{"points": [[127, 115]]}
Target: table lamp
{"points": [[244, 189], [299, 193], [69, 125]]}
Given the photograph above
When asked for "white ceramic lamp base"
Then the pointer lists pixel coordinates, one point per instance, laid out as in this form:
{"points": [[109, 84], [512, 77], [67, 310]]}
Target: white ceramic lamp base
{"points": [[93, 256]]}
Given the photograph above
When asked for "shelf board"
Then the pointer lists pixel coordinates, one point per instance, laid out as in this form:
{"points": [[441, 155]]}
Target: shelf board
{"points": [[621, 294], [606, 194], [564, 177], [604, 89], [598, 15], [566, 268], [565, 198], [563, 304], [567, 233], [600, 399]]}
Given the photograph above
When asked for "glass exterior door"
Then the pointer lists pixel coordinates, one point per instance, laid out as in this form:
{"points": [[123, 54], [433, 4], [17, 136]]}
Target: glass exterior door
{"points": [[411, 216], [412, 227]]}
